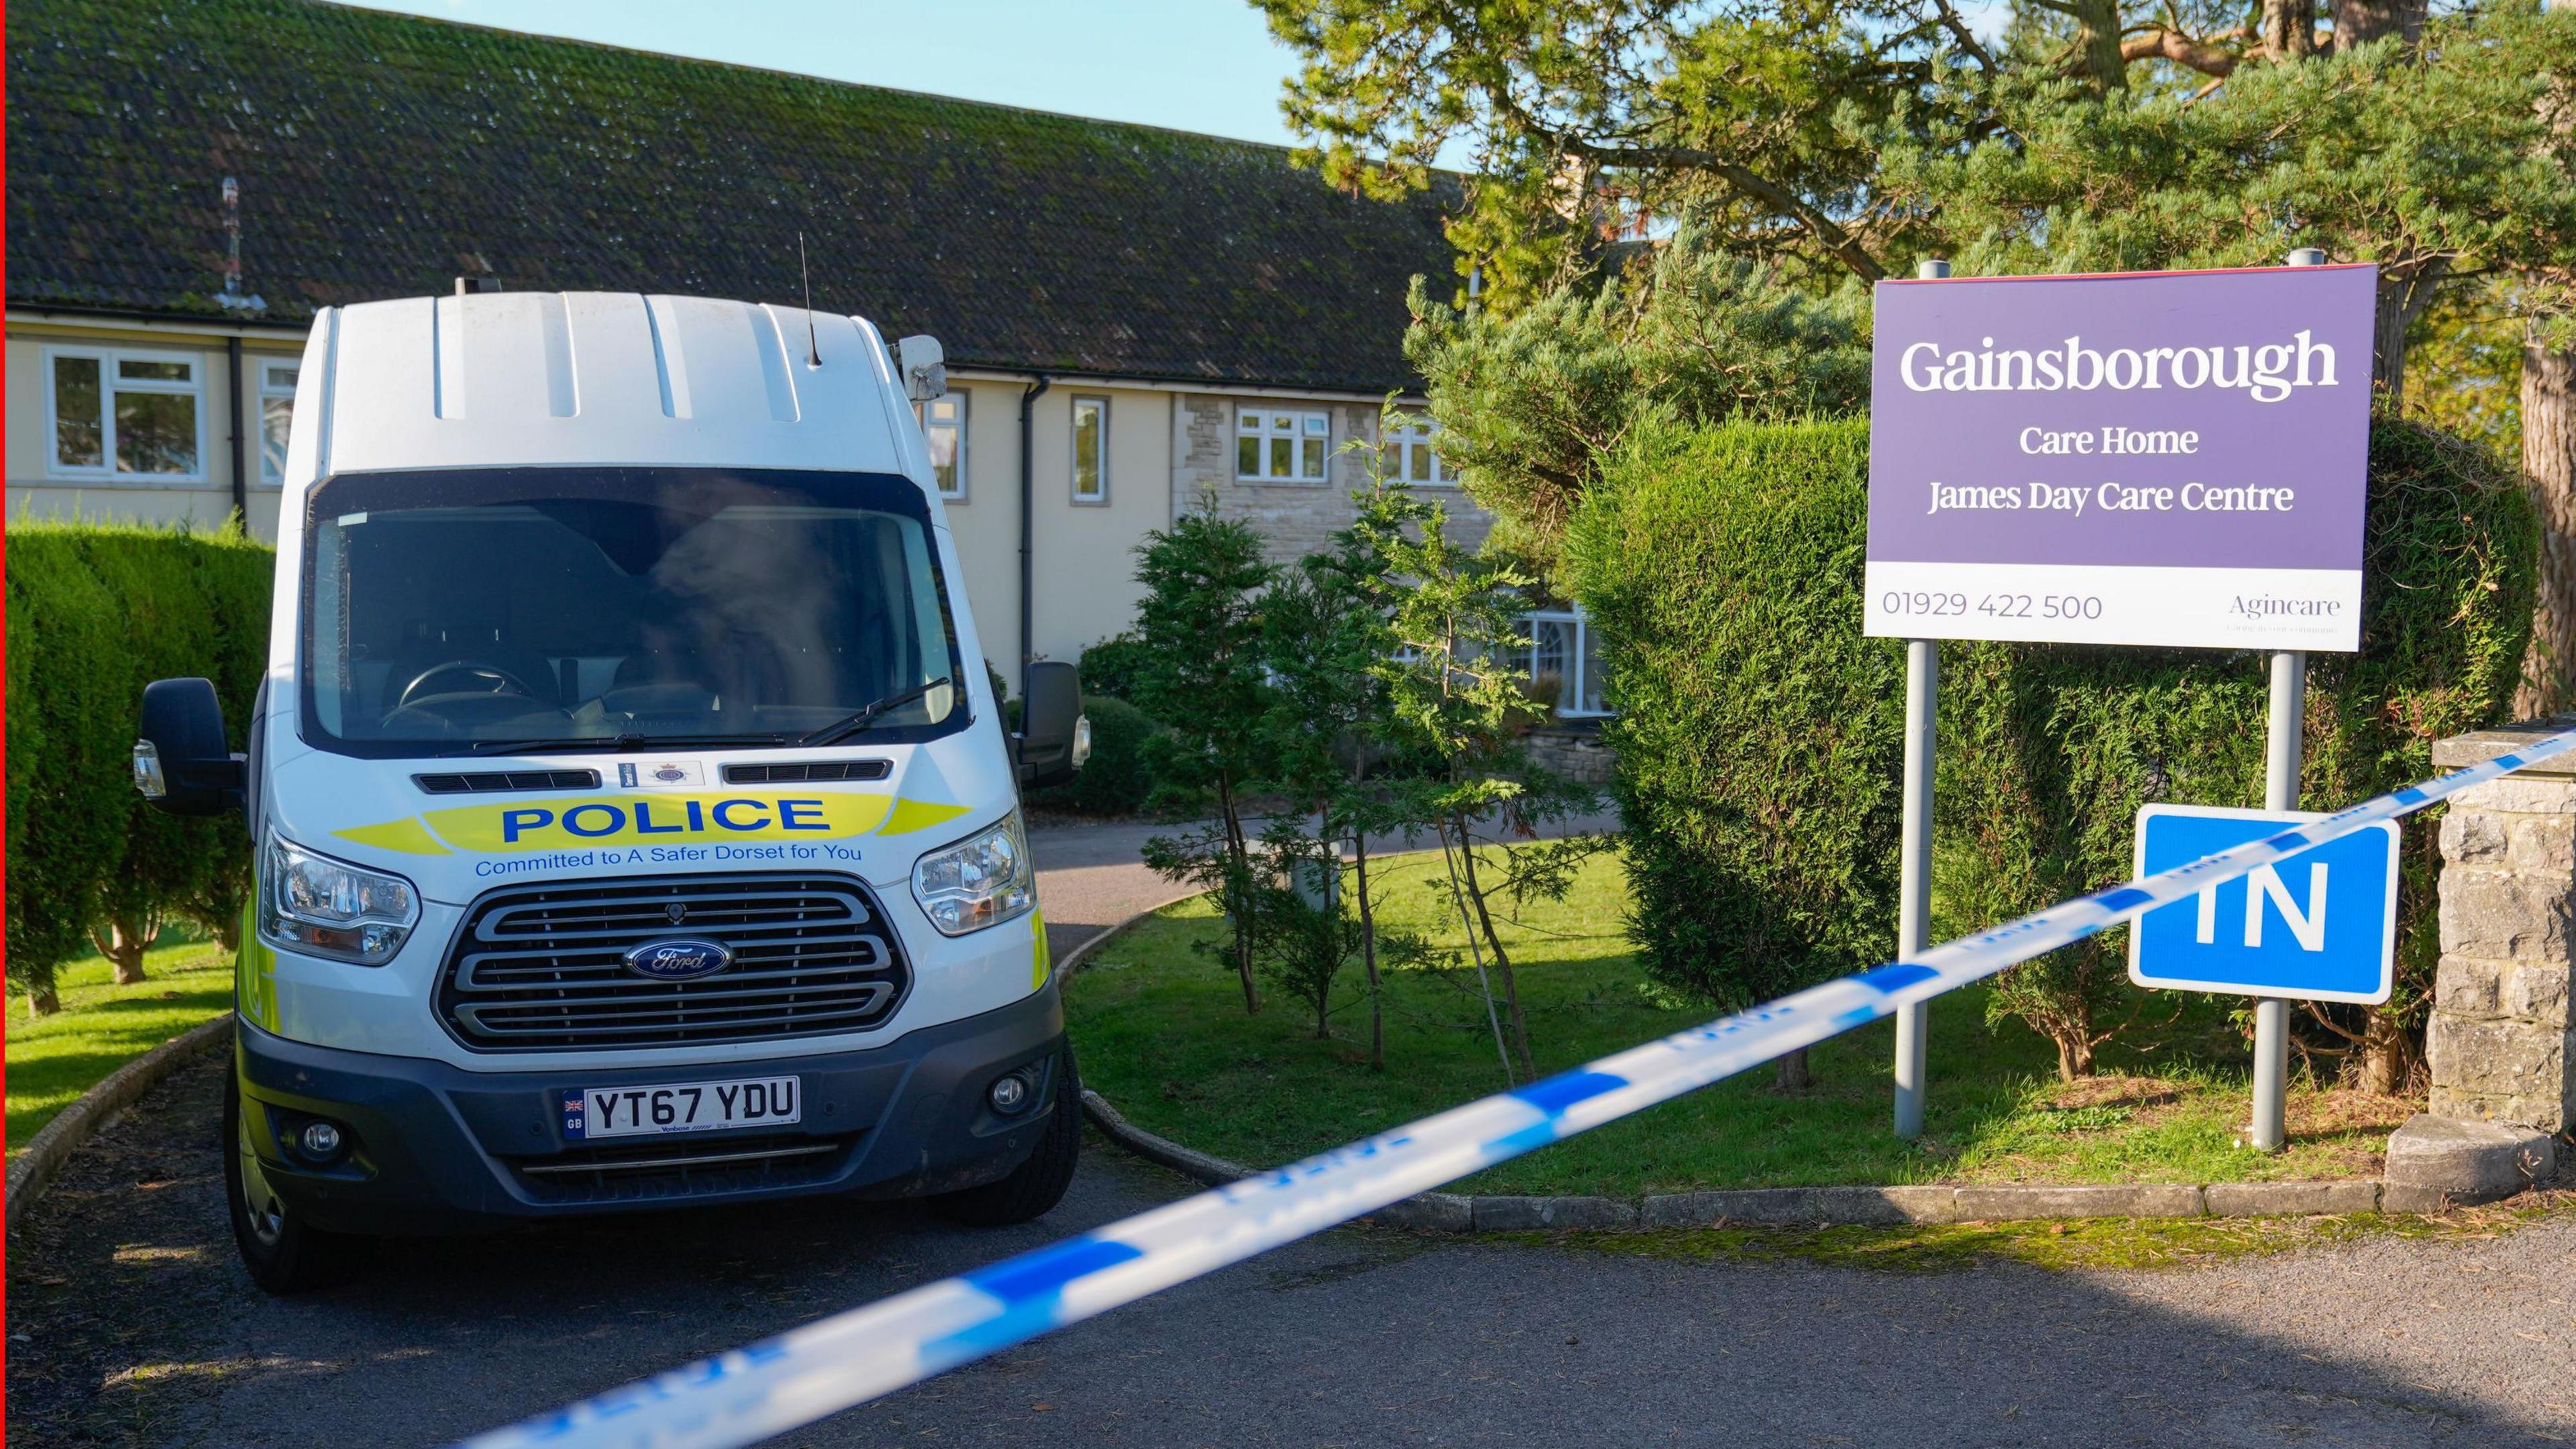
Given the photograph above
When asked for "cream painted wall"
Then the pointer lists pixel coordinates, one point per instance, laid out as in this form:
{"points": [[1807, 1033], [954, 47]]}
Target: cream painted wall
{"points": [[1083, 563], [34, 491], [1085, 566]]}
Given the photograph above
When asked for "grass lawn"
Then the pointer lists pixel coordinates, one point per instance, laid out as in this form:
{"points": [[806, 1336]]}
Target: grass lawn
{"points": [[1164, 1037], [102, 1026]]}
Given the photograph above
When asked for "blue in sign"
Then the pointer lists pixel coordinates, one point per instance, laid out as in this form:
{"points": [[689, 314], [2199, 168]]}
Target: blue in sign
{"points": [[2320, 925]]}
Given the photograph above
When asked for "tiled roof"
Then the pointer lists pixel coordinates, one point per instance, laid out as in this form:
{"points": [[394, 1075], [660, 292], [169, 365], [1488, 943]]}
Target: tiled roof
{"points": [[382, 155]]}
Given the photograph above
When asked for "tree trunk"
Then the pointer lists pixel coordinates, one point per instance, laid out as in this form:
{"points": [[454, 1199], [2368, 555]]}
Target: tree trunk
{"points": [[2358, 22], [1368, 950], [123, 945], [1791, 1074], [2097, 40], [2549, 466], [2404, 293], [2074, 1053], [2387, 1056], [1238, 877], [1502, 961], [43, 1001], [2289, 29]]}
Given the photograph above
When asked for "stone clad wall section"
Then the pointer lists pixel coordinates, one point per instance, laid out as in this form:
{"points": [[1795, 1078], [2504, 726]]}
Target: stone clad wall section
{"points": [[2501, 1041], [1296, 518]]}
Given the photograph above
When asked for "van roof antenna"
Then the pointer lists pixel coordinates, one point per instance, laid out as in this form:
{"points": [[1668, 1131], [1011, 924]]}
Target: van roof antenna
{"points": [[813, 349]]}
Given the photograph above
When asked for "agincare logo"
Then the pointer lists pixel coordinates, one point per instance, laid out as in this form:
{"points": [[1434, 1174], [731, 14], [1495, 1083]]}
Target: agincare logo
{"points": [[2266, 373]]}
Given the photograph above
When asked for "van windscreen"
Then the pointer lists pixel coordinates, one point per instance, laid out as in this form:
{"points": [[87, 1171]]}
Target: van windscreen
{"points": [[458, 612]]}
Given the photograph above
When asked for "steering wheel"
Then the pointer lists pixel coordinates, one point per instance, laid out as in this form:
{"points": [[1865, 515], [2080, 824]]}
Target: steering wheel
{"points": [[499, 681]]}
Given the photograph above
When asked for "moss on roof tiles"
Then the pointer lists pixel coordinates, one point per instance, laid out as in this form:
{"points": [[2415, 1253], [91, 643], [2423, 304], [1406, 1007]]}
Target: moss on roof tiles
{"points": [[380, 155]]}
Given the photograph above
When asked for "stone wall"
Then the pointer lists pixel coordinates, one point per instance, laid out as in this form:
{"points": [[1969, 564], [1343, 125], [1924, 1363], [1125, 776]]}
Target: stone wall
{"points": [[2501, 1041], [1576, 753], [1296, 518]]}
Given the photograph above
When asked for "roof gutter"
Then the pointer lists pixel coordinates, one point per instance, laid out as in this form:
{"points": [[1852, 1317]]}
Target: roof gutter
{"points": [[1028, 525], [1139, 382]]}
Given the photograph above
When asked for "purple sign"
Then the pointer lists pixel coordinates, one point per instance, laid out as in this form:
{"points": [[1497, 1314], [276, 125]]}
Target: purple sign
{"points": [[2158, 458]]}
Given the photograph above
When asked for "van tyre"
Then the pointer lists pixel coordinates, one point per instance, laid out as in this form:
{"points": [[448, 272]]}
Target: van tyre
{"points": [[284, 1253], [1038, 1184]]}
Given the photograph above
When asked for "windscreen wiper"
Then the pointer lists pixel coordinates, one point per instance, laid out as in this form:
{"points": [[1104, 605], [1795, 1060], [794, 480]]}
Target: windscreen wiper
{"points": [[621, 744], [848, 725]]}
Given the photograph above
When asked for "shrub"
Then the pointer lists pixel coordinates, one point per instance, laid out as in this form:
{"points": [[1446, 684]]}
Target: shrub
{"points": [[1758, 742], [1113, 666], [1759, 748], [2048, 751], [1118, 778], [96, 612]]}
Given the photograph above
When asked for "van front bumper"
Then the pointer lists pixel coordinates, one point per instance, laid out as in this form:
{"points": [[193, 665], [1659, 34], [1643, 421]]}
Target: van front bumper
{"points": [[432, 1148]]}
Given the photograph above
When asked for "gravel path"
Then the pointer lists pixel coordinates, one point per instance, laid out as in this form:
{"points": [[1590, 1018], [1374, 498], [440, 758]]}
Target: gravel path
{"points": [[130, 1324]]}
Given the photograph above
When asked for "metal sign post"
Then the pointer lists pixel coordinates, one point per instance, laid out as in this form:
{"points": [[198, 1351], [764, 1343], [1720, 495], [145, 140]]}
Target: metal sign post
{"points": [[2284, 745], [1914, 862]]}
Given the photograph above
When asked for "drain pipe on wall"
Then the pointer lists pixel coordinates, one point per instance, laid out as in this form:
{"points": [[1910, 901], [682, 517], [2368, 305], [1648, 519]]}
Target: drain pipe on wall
{"points": [[240, 445], [1028, 526]]}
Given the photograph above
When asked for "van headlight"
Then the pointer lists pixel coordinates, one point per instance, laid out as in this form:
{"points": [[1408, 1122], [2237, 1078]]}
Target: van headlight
{"points": [[980, 881], [324, 907]]}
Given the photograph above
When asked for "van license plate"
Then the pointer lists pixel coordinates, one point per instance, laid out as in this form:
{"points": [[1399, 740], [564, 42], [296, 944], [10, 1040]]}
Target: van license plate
{"points": [[596, 1112]]}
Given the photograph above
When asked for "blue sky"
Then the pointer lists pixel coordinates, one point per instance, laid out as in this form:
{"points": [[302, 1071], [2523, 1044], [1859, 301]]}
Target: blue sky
{"points": [[1195, 65]]}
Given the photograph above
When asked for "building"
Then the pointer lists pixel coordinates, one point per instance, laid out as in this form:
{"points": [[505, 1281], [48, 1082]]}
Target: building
{"points": [[1138, 321]]}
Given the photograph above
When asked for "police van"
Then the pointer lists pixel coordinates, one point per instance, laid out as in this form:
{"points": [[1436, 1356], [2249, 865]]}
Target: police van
{"points": [[634, 823]]}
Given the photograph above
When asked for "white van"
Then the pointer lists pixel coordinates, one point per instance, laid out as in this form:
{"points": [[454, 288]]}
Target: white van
{"points": [[635, 825]]}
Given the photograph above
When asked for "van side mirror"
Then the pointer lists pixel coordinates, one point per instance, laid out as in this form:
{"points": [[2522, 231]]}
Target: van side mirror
{"points": [[924, 367], [1054, 737], [180, 763]]}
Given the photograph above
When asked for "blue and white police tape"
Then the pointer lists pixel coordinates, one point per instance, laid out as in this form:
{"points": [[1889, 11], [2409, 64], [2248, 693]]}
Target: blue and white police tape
{"points": [[766, 1388]]}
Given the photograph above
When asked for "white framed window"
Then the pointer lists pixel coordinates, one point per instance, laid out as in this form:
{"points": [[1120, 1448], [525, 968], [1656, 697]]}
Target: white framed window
{"points": [[1091, 451], [1565, 662], [943, 428], [114, 413], [1414, 442], [276, 418], [1278, 445]]}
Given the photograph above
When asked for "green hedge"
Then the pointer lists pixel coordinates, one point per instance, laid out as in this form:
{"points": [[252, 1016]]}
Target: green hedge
{"points": [[2048, 751], [1759, 736], [1117, 779], [96, 611], [1759, 742]]}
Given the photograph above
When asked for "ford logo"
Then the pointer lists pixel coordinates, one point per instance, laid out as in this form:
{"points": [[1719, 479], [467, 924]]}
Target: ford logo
{"points": [[678, 960]]}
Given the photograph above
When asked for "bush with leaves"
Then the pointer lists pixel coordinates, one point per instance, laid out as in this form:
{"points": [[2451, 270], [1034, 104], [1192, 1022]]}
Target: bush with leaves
{"points": [[1759, 739], [1530, 402], [2048, 751], [1200, 624], [1119, 778], [1758, 742], [1112, 666], [96, 611]]}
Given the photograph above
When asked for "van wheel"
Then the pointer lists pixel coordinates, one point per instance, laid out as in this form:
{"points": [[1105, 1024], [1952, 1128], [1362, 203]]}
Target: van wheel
{"points": [[283, 1253], [1037, 1185]]}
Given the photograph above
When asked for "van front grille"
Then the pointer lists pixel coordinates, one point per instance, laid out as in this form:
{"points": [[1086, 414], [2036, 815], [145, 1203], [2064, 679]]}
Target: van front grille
{"points": [[543, 967]]}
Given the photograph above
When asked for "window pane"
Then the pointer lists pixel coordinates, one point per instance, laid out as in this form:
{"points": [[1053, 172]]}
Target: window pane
{"points": [[1417, 459], [1592, 669], [156, 432], [1317, 424], [1314, 457], [1282, 422], [280, 377], [133, 370], [1550, 654], [1087, 449], [77, 430], [276, 416], [1279, 458], [1248, 422], [941, 439], [1247, 458]]}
